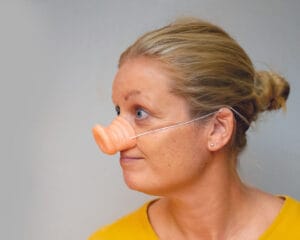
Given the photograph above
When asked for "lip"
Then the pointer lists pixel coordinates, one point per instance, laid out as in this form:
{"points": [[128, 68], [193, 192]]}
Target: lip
{"points": [[129, 159]]}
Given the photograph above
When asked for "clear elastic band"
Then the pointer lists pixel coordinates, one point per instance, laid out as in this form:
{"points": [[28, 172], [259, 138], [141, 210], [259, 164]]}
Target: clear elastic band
{"points": [[188, 122]]}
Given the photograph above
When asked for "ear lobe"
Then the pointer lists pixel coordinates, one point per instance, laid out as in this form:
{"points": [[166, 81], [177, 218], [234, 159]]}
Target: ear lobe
{"points": [[221, 130]]}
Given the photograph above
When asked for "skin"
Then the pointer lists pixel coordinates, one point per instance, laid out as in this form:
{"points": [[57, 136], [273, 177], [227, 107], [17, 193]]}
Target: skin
{"points": [[190, 167]]}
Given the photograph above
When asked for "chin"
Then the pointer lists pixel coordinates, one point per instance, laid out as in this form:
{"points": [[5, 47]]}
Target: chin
{"points": [[142, 184], [135, 183]]}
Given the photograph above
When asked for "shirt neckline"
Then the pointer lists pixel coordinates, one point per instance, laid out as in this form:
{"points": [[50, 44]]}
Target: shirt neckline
{"points": [[265, 234]]}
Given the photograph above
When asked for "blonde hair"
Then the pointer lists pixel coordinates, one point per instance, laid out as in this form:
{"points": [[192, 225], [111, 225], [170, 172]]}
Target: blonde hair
{"points": [[211, 70]]}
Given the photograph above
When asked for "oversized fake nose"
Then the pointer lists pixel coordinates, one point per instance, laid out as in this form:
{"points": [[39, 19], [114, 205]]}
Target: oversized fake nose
{"points": [[118, 136]]}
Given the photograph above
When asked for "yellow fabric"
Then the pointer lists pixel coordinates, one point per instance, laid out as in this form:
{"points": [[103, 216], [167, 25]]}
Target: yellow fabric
{"points": [[287, 224], [136, 226]]}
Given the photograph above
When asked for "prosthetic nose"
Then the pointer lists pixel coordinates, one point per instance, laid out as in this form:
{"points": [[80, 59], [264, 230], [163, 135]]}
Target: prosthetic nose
{"points": [[119, 135]]}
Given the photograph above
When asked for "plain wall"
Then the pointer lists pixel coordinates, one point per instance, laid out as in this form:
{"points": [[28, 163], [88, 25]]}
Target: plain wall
{"points": [[58, 59]]}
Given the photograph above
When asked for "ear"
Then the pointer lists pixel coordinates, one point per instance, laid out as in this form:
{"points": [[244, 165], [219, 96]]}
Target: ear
{"points": [[221, 129]]}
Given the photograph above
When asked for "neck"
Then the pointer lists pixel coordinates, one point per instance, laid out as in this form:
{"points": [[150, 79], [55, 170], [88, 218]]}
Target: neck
{"points": [[210, 206]]}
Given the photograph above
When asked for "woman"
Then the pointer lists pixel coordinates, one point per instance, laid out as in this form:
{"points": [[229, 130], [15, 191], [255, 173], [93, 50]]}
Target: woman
{"points": [[185, 96]]}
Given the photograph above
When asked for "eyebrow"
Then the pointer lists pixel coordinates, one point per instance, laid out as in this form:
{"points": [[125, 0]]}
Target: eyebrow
{"points": [[131, 93]]}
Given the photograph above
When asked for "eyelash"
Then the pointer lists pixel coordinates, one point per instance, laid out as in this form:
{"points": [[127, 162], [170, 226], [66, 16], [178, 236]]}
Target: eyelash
{"points": [[118, 110]]}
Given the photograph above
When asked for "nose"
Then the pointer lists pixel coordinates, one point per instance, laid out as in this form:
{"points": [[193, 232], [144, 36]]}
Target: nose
{"points": [[116, 137]]}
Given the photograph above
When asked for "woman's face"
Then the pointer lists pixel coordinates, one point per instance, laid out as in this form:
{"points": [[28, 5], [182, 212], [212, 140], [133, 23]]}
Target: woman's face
{"points": [[165, 161]]}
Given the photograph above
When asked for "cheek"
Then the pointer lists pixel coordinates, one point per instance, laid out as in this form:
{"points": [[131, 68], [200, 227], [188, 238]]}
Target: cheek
{"points": [[176, 149], [173, 159]]}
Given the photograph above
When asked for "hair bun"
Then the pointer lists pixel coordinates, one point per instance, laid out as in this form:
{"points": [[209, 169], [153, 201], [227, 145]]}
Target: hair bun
{"points": [[272, 91]]}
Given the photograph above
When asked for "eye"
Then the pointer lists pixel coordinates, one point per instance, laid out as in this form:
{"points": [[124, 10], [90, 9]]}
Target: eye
{"points": [[140, 114], [118, 110]]}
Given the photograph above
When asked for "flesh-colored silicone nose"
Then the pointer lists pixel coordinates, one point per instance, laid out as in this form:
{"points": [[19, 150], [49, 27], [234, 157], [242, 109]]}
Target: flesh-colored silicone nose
{"points": [[116, 137]]}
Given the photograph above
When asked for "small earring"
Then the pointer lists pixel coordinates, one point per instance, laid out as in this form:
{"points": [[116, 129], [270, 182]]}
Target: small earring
{"points": [[212, 144]]}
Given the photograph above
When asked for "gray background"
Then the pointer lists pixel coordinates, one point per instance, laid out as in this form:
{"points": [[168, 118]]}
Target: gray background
{"points": [[58, 59]]}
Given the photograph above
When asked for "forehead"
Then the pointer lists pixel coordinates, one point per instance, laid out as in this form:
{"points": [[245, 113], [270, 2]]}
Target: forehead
{"points": [[139, 76]]}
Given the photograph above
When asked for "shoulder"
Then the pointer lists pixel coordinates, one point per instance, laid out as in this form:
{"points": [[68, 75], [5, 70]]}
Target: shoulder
{"points": [[132, 226], [286, 225], [290, 212]]}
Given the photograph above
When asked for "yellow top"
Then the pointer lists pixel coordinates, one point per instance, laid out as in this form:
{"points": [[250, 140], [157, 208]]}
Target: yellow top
{"points": [[136, 226]]}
